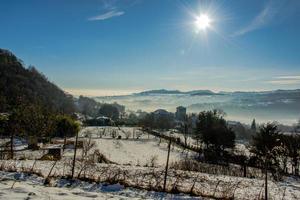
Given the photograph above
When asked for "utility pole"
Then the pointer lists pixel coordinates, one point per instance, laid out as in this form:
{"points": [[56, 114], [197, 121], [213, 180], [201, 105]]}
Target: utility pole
{"points": [[74, 159], [167, 165]]}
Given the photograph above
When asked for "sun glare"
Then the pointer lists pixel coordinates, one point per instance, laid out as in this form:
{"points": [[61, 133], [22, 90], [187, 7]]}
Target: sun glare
{"points": [[203, 22]]}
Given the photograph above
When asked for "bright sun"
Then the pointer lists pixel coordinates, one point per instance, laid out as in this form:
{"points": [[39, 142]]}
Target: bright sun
{"points": [[202, 22]]}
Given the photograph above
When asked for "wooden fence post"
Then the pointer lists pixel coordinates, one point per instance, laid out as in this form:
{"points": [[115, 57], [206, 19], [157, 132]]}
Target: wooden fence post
{"points": [[167, 165], [74, 159]]}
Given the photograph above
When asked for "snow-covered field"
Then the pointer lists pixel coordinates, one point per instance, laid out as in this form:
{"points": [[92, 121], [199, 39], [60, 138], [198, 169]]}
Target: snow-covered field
{"points": [[14, 185], [200, 184], [132, 150], [240, 148], [134, 147]]}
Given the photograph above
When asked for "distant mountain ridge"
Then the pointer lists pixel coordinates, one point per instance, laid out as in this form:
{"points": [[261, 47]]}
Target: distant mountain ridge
{"points": [[166, 92], [160, 91], [265, 106], [209, 92]]}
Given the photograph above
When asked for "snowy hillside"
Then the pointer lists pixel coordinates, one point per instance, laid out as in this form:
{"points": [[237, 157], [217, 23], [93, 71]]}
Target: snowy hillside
{"points": [[200, 184], [31, 187], [136, 160], [132, 150]]}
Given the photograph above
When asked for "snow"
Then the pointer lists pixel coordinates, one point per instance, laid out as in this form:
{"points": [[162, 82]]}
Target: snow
{"points": [[31, 187], [133, 157], [240, 148], [147, 178], [132, 151]]}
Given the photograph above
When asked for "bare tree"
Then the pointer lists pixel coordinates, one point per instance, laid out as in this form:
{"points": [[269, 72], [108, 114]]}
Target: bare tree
{"points": [[127, 134], [153, 161], [113, 133], [100, 133], [87, 146]]}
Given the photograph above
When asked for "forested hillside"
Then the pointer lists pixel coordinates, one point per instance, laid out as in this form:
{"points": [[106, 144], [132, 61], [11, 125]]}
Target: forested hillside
{"points": [[22, 86]]}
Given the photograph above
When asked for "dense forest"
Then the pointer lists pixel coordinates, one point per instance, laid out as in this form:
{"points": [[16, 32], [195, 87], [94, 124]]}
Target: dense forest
{"points": [[22, 86]]}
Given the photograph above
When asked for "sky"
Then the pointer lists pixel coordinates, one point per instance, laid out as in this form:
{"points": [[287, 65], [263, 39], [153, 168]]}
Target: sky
{"points": [[98, 47]]}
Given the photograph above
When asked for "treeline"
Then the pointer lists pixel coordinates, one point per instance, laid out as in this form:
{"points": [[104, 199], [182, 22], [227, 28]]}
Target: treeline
{"points": [[276, 151], [91, 108], [152, 121], [216, 140], [36, 124], [31, 107]]}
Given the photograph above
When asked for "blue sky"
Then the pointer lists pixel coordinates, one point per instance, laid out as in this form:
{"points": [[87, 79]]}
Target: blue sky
{"points": [[99, 47]]}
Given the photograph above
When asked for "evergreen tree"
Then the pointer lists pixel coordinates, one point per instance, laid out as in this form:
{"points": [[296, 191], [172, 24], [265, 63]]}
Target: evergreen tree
{"points": [[253, 126], [66, 127], [266, 145], [30, 121], [297, 127], [3, 124], [292, 147], [213, 131], [109, 110]]}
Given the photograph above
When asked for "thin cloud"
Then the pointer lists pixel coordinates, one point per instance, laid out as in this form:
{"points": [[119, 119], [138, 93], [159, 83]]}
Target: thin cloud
{"points": [[286, 80], [171, 78], [107, 15], [262, 19], [99, 92], [288, 77]]}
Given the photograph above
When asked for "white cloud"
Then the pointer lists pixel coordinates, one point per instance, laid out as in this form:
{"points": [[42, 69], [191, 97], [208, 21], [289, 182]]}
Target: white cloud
{"points": [[99, 92], [262, 19], [288, 77], [286, 80], [107, 15]]}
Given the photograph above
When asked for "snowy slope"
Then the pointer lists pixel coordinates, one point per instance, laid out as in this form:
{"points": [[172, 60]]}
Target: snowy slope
{"points": [[31, 187], [201, 184], [132, 150]]}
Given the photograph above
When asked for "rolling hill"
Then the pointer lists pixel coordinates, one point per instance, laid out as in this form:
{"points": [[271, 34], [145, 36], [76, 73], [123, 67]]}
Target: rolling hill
{"points": [[20, 85]]}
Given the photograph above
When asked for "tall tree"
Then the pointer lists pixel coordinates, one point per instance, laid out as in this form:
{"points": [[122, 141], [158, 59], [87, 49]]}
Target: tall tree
{"points": [[213, 131], [265, 140], [110, 111], [31, 121], [267, 147], [164, 122], [147, 121], [253, 126], [3, 124], [66, 127], [292, 145], [297, 127], [14, 127]]}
